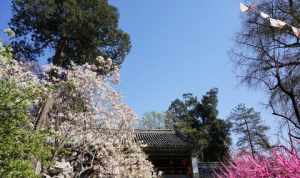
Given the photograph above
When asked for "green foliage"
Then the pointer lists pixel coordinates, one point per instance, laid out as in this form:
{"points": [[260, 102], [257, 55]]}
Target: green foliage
{"points": [[198, 120], [218, 141], [75, 30], [5, 52], [247, 123], [19, 143], [20, 168]]}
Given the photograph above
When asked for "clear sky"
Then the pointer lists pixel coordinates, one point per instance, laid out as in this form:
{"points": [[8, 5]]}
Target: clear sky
{"points": [[177, 47]]}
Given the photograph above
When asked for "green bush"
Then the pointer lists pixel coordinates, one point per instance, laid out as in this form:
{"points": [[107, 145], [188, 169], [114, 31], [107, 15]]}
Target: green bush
{"points": [[20, 144]]}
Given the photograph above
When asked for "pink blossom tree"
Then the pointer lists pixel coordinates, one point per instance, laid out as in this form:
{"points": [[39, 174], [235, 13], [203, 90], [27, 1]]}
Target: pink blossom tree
{"points": [[280, 163]]}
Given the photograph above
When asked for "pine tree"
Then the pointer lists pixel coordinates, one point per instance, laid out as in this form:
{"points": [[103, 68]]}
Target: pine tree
{"points": [[247, 123], [75, 31]]}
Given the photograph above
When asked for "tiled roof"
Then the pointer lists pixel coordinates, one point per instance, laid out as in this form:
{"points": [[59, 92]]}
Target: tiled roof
{"points": [[160, 138]]}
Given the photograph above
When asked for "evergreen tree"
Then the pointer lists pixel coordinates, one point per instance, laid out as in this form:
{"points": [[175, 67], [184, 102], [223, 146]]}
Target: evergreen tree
{"points": [[248, 125], [198, 121], [73, 30]]}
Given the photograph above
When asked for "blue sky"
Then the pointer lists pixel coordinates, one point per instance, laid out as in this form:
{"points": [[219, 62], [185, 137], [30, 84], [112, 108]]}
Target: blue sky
{"points": [[181, 46], [178, 47]]}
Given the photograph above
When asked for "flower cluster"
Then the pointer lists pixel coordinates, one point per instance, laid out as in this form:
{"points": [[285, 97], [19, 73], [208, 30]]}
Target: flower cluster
{"points": [[92, 134], [21, 74], [281, 163], [89, 115]]}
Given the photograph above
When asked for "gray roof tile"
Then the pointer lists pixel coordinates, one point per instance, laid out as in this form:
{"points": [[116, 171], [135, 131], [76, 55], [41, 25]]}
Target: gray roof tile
{"points": [[160, 138]]}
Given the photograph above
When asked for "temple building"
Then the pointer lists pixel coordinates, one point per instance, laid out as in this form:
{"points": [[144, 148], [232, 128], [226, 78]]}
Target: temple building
{"points": [[169, 152]]}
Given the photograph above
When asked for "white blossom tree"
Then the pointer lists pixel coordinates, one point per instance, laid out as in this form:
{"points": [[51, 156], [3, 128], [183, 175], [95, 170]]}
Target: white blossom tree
{"points": [[88, 114], [92, 134]]}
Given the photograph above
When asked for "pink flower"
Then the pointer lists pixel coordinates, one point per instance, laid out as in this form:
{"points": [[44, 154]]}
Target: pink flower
{"points": [[281, 163]]}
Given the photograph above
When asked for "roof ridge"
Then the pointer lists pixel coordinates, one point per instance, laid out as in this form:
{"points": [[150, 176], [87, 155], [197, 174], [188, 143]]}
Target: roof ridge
{"points": [[160, 138], [154, 130]]}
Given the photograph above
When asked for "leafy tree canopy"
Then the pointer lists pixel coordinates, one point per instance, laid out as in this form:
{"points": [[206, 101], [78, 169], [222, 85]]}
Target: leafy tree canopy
{"points": [[198, 120], [74, 30]]}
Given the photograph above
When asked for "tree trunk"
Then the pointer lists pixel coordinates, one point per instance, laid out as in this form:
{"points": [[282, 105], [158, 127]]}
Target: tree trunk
{"points": [[57, 58], [250, 140], [41, 120]]}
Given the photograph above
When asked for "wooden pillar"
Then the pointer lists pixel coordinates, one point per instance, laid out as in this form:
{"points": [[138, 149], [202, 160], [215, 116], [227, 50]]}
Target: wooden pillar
{"points": [[195, 167]]}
